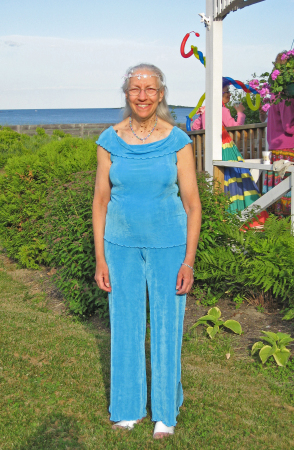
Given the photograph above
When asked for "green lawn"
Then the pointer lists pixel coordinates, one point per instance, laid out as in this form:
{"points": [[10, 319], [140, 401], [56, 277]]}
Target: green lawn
{"points": [[54, 388]]}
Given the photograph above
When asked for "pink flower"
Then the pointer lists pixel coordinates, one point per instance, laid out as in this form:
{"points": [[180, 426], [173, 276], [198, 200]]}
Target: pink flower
{"points": [[264, 91], [275, 74], [266, 85], [289, 53], [284, 56], [266, 107], [254, 84]]}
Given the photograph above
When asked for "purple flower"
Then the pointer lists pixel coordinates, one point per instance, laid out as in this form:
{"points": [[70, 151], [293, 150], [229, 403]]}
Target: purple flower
{"points": [[284, 56], [275, 74], [266, 107], [254, 84], [264, 91]]}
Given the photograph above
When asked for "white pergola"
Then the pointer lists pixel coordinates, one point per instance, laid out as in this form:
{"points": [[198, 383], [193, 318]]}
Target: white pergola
{"points": [[216, 11]]}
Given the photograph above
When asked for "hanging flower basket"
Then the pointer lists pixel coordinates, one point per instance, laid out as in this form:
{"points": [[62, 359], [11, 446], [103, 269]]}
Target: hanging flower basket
{"points": [[280, 83]]}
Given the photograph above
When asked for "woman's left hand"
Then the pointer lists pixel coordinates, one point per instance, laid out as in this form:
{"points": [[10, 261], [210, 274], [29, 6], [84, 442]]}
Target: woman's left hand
{"points": [[185, 280]]}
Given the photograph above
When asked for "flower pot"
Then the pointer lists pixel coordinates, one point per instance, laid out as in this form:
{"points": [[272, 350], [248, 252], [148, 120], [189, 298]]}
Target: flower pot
{"points": [[289, 91]]}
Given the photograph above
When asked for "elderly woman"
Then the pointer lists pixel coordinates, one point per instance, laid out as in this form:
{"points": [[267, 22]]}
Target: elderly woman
{"points": [[145, 234], [238, 184]]}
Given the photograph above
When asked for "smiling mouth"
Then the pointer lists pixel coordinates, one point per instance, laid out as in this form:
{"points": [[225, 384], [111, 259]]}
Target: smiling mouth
{"points": [[143, 106]]}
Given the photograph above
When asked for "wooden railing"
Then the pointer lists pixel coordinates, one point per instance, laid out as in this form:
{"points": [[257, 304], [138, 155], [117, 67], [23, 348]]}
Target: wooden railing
{"points": [[250, 140]]}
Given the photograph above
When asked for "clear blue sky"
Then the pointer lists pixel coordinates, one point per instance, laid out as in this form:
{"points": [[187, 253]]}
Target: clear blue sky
{"points": [[73, 54]]}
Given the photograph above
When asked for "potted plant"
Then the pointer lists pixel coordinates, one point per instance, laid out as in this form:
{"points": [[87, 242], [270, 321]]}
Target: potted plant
{"points": [[281, 80], [280, 83]]}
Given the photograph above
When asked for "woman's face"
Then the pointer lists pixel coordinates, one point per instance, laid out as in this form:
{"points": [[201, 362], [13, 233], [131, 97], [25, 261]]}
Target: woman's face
{"points": [[226, 95], [142, 99]]}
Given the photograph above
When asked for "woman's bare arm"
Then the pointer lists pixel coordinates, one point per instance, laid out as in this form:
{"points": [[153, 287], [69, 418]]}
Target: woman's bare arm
{"points": [[191, 201], [100, 202]]}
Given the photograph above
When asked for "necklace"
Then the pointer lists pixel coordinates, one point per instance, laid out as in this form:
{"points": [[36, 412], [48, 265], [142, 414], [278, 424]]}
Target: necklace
{"points": [[138, 137]]}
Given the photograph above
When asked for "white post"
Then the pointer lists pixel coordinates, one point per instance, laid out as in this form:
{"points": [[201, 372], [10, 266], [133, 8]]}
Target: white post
{"points": [[265, 138], [213, 89]]}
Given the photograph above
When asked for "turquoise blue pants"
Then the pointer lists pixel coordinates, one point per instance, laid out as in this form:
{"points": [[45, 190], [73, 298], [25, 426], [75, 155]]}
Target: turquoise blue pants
{"points": [[130, 269]]}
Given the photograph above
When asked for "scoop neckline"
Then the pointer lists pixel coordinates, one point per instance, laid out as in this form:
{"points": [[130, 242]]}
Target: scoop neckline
{"points": [[125, 144]]}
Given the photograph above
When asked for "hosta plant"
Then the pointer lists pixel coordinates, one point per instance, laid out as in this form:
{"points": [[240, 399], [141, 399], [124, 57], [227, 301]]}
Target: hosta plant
{"points": [[214, 323], [276, 347]]}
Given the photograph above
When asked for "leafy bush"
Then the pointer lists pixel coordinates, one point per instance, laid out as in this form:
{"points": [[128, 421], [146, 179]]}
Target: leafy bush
{"points": [[214, 322], [277, 347], [249, 263], [214, 213], [69, 236], [24, 188], [11, 143]]}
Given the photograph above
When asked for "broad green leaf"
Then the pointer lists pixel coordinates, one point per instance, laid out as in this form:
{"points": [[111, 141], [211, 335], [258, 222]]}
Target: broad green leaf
{"points": [[285, 341], [234, 326], [257, 346], [267, 339], [212, 331], [282, 356], [271, 335], [215, 331], [283, 335], [215, 312], [265, 353], [207, 317], [209, 331]]}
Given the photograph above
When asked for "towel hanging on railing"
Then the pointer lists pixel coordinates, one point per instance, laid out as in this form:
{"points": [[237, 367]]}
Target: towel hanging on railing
{"points": [[281, 166]]}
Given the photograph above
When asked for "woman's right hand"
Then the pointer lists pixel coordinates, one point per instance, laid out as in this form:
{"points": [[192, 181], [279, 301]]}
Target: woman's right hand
{"points": [[240, 107], [102, 276]]}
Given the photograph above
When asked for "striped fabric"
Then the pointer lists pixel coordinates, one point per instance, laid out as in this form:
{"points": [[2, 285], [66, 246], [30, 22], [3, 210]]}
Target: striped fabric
{"points": [[239, 184]]}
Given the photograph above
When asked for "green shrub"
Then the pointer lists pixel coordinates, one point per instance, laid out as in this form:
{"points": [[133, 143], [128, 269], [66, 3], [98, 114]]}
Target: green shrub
{"points": [[24, 188], [214, 213], [60, 133], [214, 323], [69, 236], [250, 263], [276, 348], [11, 143]]}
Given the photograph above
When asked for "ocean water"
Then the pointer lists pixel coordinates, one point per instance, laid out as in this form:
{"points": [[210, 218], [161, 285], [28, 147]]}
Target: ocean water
{"points": [[60, 116]]}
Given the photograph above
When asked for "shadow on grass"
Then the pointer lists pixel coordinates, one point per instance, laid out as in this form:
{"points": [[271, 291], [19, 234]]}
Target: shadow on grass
{"points": [[57, 432], [103, 344]]}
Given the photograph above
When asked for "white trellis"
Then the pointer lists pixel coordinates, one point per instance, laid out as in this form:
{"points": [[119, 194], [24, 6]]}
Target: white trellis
{"points": [[216, 10]]}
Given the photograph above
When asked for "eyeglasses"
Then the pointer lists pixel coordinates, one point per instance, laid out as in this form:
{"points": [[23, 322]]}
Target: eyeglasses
{"points": [[135, 92]]}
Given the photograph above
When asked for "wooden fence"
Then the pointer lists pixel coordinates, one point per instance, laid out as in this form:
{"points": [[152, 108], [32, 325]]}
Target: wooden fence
{"points": [[250, 140], [75, 129]]}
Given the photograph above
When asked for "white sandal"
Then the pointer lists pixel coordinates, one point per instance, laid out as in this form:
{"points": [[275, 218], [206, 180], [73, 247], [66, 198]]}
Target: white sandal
{"points": [[161, 430], [126, 424]]}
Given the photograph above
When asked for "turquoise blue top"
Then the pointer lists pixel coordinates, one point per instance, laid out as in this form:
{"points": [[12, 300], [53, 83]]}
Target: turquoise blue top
{"points": [[145, 209]]}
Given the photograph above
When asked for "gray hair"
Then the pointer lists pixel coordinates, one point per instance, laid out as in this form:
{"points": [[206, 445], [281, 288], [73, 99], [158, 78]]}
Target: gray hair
{"points": [[162, 109]]}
